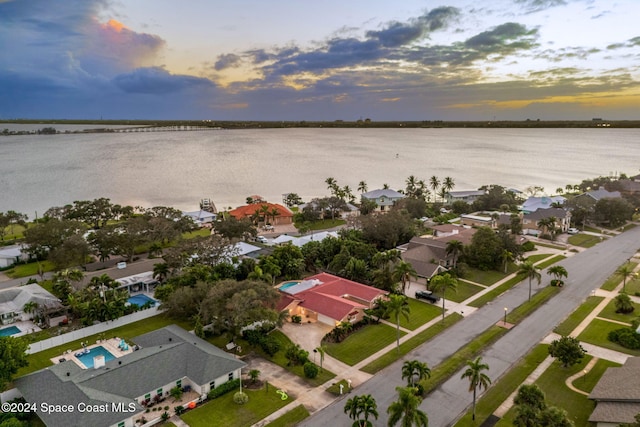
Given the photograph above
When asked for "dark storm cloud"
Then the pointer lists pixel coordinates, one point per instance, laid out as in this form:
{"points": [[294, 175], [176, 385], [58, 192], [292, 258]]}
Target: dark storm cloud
{"points": [[229, 60], [503, 37], [400, 34], [155, 80]]}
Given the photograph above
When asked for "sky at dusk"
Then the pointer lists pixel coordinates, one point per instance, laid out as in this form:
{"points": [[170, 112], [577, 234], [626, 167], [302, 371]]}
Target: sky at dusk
{"points": [[329, 60]]}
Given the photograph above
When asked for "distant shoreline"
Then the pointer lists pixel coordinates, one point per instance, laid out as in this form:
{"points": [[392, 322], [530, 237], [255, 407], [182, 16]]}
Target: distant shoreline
{"points": [[341, 124]]}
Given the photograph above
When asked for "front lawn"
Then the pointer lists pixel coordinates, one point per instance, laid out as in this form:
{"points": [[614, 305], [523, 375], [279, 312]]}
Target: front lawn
{"points": [[584, 240], [615, 279], [488, 277], [291, 418], [581, 313], [598, 330], [537, 257], [363, 343], [29, 269], [609, 312], [587, 382], [550, 261], [421, 312], [41, 359], [223, 411], [464, 291], [321, 224]]}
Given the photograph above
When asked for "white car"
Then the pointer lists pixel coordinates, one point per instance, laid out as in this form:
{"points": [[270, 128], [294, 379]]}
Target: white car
{"points": [[262, 239], [573, 231]]}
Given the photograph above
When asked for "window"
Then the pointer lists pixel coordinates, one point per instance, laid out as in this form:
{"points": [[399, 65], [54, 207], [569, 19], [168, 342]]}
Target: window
{"points": [[159, 392], [121, 424], [147, 396], [212, 385], [230, 376], [179, 383]]}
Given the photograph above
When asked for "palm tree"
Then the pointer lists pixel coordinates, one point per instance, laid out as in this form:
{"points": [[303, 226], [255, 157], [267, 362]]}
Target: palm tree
{"points": [[454, 248], [434, 183], [530, 271], [365, 406], [362, 187], [322, 349], [506, 257], [405, 409], [403, 272], [415, 368], [477, 379], [397, 306], [264, 212], [558, 272], [161, 271], [625, 271], [30, 307], [448, 184], [274, 213], [444, 282], [544, 224], [383, 275]]}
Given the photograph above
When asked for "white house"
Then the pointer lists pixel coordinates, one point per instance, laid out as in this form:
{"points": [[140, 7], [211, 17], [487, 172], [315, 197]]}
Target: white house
{"points": [[9, 255], [201, 217], [384, 198]]}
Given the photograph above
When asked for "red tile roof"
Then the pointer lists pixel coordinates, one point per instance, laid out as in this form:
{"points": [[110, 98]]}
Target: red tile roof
{"points": [[248, 210]]}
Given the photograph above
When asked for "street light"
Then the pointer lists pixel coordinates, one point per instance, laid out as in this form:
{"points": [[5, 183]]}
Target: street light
{"points": [[505, 316]]}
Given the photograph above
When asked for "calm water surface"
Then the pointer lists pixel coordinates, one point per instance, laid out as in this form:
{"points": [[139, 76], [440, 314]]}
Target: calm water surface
{"points": [[179, 168]]}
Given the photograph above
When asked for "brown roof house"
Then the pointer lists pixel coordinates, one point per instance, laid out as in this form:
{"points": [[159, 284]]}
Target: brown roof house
{"points": [[328, 299], [617, 395], [530, 220]]}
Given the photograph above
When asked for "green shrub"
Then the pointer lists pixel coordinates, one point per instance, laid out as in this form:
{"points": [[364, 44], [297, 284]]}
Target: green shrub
{"points": [[223, 389], [240, 398], [270, 345], [626, 337], [310, 370], [528, 246]]}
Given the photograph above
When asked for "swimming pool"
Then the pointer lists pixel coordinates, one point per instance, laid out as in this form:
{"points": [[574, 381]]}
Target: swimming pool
{"points": [[141, 300], [87, 359], [11, 330], [287, 285]]}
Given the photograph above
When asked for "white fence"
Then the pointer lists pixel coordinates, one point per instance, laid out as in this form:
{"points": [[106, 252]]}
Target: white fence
{"points": [[91, 330]]}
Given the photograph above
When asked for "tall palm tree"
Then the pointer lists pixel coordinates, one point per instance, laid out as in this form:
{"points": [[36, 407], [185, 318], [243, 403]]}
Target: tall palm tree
{"points": [[264, 212], [322, 349], [403, 272], [362, 187], [415, 368], [558, 272], [530, 271], [477, 379], [383, 275], [274, 213], [397, 306], [448, 184], [454, 248], [506, 256], [161, 271], [434, 183], [405, 409], [361, 406], [625, 271], [442, 283], [348, 193]]}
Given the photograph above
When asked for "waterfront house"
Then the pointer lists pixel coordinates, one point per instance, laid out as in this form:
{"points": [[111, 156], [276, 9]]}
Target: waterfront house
{"points": [[383, 198], [329, 299], [264, 211], [201, 217], [467, 196], [590, 198], [532, 204], [164, 359], [530, 221]]}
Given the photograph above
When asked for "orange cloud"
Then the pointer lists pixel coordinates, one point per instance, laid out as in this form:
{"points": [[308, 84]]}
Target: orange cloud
{"points": [[114, 25]]}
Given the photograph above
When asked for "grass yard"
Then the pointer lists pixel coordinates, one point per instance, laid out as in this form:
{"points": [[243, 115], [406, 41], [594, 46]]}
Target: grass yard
{"points": [[227, 413], [550, 261], [587, 382], [291, 418], [464, 290], [609, 312], [548, 245], [572, 322], [537, 257], [30, 269], [596, 333], [41, 359], [584, 240], [488, 277], [615, 279], [633, 286], [363, 343], [421, 313], [500, 390], [492, 294], [413, 342], [280, 360], [322, 224]]}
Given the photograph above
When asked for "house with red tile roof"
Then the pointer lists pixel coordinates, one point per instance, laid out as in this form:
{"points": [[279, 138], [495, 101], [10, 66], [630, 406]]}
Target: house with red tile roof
{"points": [[284, 215], [328, 299]]}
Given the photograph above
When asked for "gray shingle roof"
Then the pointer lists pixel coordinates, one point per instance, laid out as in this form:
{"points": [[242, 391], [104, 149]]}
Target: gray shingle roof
{"points": [[617, 394], [392, 194], [166, 355]]}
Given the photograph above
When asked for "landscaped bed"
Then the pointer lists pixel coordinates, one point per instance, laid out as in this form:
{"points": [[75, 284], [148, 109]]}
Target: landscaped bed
{"points": [[598, 330], [609, 312]]}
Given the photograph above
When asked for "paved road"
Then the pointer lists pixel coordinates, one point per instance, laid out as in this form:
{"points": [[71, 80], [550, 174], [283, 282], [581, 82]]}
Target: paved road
{"points": [[587, 271]]}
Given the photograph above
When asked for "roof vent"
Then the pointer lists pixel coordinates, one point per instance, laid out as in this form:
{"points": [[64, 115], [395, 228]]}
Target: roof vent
{"points": [[68, 374], [170, 339], [119, 362]]}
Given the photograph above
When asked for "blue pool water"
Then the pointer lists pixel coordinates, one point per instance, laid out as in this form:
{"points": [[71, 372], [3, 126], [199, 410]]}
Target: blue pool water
{"points": [[140, 300], [11, 330], [286, 285], [87, 359]]}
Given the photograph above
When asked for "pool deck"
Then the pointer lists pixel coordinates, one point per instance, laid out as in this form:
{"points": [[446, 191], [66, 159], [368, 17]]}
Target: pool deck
{"points": [[25, 326], [111, 345]]}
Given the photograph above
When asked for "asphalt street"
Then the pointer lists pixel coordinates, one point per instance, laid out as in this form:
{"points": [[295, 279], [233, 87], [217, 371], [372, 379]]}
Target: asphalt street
{"points": [[587, 271]]}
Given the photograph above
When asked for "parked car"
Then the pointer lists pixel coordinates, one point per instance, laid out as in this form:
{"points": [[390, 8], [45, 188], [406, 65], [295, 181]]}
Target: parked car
{"points": [[573, 231], [427, 295], [262, 239]]}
